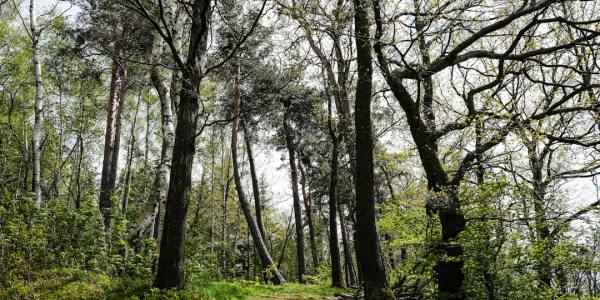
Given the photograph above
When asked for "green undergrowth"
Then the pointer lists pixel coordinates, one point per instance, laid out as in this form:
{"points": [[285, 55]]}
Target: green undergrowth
{"points": [[253, 290], [78, 284]]}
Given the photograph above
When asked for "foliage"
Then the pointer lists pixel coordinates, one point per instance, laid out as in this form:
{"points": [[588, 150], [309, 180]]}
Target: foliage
{"points": [[64, 283]]}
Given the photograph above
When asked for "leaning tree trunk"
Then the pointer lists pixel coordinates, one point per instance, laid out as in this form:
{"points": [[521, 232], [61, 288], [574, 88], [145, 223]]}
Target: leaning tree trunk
{"points": [[38, 125], [170, 271], [269, 269], [334, 248], [297, 208], [255, 187], [369, 257]]}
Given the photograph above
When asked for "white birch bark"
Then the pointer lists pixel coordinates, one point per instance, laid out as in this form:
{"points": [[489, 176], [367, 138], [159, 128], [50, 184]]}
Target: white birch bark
{"points": [[36, 136], [168, 127], [166, 85], [168, 131]]}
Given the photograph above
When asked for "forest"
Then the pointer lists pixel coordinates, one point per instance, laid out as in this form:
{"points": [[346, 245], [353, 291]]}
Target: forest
{"points": [[299, 149]]}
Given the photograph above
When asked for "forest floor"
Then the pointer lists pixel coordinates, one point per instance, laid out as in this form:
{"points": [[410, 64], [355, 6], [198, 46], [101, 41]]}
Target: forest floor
{"points": [[78, 284]]}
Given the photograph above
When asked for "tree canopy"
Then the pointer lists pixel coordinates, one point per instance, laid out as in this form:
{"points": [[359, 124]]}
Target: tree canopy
{"points": [[364, 149]]}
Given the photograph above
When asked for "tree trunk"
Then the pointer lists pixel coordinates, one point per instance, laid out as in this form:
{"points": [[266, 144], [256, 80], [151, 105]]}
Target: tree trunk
{"points": [[211, 232], [334, 249], [80, 154], [38, 125], [449, 269], [132, 142], [170, 272], [309, 215], [349, 266], [146, 217], [271, 272], [542, 228], [224, 218], [297, 208], [105, 191], [25, 154], [168, 134], [118, 121], [368, 252], [175, 84], [78, 173], [255, 186]]}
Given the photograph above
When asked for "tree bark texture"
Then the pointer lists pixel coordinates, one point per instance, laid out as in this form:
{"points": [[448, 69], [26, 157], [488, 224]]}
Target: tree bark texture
{"points": [[170, 271], [368, 252], [38, 124]]}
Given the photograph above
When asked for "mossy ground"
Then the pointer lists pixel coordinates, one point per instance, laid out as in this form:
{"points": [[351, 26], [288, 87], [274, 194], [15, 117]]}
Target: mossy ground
{"points": [[78, 284]]}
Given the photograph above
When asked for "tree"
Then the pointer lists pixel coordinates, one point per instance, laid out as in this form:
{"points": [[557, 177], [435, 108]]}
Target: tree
{"points": [[334, 250], [38, 125], [271, 271], [167, 99], [519, 50], [170, 271], [368, 252], [291, 148]]}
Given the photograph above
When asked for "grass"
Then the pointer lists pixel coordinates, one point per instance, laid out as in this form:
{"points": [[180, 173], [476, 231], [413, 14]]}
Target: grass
{"points": [[252, 290], [78, 284]]}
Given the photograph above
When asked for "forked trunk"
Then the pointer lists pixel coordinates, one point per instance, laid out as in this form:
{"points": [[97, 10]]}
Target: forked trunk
{"points": [[170, 271]]}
